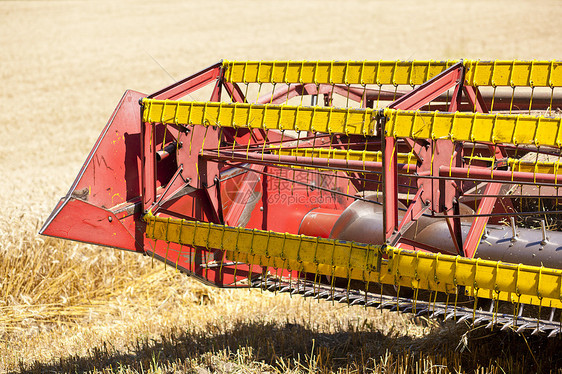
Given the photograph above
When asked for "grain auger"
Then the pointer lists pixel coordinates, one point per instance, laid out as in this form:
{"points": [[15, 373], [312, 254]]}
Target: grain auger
{"points": [[428, 187]]}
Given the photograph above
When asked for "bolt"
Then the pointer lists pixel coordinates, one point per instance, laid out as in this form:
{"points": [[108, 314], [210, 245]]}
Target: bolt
{"points": [[110, 218]]}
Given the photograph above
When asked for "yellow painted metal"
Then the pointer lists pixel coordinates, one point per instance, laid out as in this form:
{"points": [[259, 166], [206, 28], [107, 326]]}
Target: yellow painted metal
{"points": [[416, 269], [479, 73], [276, 117], [543, 167], [342, 154], [514, 73], [514, 297], [539, 167], [282, 250], [475, 127], [382, 277], [300, 248], [483, 278], [334, 72]]}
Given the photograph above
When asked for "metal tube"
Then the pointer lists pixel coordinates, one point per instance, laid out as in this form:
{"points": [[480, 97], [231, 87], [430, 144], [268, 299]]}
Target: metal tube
{"points": [[499, 175], [528, 249], [363, 223], [267, 159], [166, 151], [503, 99], [319, 222]]}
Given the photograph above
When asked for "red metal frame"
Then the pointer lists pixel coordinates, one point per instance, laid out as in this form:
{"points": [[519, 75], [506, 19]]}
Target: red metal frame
{"points": [[479, 224], [412, 101], [431, 89], [148, 165], [187, 184], [413, 213], [270, 159], [189, 84], [390, 186]]}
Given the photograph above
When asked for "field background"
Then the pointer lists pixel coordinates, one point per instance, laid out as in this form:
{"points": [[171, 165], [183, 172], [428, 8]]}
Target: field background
{"points": [[73, 307]]}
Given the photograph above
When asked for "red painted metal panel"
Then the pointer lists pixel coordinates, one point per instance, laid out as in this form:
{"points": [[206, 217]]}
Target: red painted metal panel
{"points": [[110, 174], [82, 221], [110, 179]]}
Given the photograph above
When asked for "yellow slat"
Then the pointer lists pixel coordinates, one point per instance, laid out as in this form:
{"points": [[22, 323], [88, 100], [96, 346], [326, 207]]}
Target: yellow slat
{"points": [[342, 154], [383, 277], [514, 73], [475, 127], [539, 167], [531, 282], [544, 167], [479, 73], [537, 285], [334, 72], [303, 248], [281, 250], [276, 117], [514, 298]]}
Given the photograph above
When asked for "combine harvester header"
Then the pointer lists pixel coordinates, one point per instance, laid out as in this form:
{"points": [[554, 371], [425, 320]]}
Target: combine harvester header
{"points": [[422, 186]]}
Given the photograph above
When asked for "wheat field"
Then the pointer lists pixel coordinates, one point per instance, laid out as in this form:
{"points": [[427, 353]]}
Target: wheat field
{"points": [[71, 307]]}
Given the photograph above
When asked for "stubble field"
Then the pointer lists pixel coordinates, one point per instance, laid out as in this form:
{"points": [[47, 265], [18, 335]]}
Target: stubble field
{"points": [[72, 307]]}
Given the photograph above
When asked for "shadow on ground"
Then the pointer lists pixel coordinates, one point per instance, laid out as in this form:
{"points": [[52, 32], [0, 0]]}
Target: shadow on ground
{"points": [[259, 347]]}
